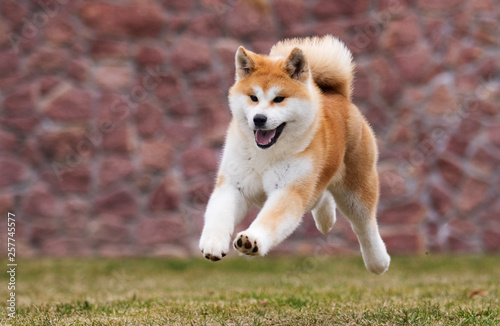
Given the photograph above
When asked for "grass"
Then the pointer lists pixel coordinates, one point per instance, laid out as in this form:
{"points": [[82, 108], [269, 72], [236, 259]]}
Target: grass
{"points": [[417, 290]]}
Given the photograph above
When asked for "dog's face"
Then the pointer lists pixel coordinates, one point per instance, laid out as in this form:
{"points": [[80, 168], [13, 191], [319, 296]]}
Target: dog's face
{"points": [[273, 98]]}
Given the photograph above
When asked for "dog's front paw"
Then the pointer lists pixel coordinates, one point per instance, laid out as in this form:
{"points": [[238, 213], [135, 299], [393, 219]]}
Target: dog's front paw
{"points": [[214, 247], [250, 244], [245, 245]]}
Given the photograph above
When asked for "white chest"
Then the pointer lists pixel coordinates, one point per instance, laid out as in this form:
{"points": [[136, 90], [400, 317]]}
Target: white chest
{"points": [[256, 176]]}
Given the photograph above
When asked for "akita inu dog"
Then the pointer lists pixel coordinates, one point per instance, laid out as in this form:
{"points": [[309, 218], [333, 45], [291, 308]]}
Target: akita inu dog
{"points": [[296, 143]]}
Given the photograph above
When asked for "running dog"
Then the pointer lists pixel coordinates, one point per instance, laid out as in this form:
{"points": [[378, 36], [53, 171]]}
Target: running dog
{"points": [[296, 143]]}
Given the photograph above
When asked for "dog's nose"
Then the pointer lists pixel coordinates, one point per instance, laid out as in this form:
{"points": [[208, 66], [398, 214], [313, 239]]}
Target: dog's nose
{"points": [[259, 120]]}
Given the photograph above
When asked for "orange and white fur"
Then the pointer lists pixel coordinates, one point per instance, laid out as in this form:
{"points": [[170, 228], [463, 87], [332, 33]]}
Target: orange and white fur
{"points": [[296, 143]]}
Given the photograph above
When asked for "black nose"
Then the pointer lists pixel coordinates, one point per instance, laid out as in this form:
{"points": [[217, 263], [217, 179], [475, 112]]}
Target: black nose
{"points": [[259, 120]]}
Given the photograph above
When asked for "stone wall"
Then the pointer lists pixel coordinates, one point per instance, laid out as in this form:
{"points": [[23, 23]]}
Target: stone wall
{"points": [[113, 114]]}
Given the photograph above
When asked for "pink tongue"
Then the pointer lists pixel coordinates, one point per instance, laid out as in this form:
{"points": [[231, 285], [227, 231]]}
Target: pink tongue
{"points": [[263, 137]]}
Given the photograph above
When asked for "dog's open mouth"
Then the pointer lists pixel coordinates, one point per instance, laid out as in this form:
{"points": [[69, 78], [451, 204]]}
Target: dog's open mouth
{"points": [[267, 138]]}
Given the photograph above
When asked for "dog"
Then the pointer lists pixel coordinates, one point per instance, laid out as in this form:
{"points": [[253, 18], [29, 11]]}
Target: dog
{"points": [[296, 143]]}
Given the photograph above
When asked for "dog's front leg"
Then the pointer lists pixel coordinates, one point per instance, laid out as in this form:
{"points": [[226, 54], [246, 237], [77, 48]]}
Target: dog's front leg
{"points": [[278, 218], [226, 207]]}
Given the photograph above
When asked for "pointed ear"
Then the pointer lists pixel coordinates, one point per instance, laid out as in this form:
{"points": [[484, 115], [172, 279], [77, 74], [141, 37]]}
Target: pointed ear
{"points": [[244, 64], [296, 65]]}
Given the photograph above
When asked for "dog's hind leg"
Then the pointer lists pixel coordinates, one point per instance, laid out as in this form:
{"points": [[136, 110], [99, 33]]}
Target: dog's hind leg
{"points": [[359, 205], [324, 212]]}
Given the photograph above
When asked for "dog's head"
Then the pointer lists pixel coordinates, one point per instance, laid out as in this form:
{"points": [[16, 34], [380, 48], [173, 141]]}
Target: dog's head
{"points": [[273, 98]]}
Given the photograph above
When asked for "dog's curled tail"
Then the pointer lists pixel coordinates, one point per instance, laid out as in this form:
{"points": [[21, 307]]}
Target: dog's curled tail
{"points": [[329, 60]]}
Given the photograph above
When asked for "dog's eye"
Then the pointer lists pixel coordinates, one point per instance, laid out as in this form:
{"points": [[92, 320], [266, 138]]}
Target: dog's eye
{"points": [[278, 99], [254, 98]]}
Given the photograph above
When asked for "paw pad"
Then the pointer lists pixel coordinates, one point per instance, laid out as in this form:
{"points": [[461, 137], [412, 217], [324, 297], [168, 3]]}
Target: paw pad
{"points": [[214, 248], [212, 257], [244, 245]]}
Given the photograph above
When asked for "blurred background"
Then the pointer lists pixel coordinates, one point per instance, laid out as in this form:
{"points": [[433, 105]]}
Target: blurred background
{"points": [[113, 116]]}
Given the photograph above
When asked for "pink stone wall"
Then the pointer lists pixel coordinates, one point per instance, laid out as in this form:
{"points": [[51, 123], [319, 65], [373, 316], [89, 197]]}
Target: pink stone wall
{"points": [[113, 114]]}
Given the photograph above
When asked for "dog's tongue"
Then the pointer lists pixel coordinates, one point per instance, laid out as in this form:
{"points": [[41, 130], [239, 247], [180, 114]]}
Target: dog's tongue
{"points": [[263, 137]]}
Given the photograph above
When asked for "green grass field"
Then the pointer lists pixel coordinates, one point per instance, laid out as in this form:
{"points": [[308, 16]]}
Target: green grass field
{"points": [[416, 290]]}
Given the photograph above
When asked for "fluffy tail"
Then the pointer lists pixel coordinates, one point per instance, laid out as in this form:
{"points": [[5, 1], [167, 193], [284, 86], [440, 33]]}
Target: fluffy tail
{"points": [[329, 60]]}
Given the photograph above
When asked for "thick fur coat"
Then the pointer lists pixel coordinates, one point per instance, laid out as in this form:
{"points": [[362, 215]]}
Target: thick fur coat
{"points": [[296, 143]]}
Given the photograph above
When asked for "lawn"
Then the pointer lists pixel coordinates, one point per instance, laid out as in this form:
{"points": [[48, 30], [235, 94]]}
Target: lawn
{"points": [[417, 290]]}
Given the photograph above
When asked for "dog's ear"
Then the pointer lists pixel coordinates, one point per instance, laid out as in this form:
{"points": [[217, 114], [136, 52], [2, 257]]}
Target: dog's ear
{"points": [[296, 65], [244, 63]]}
